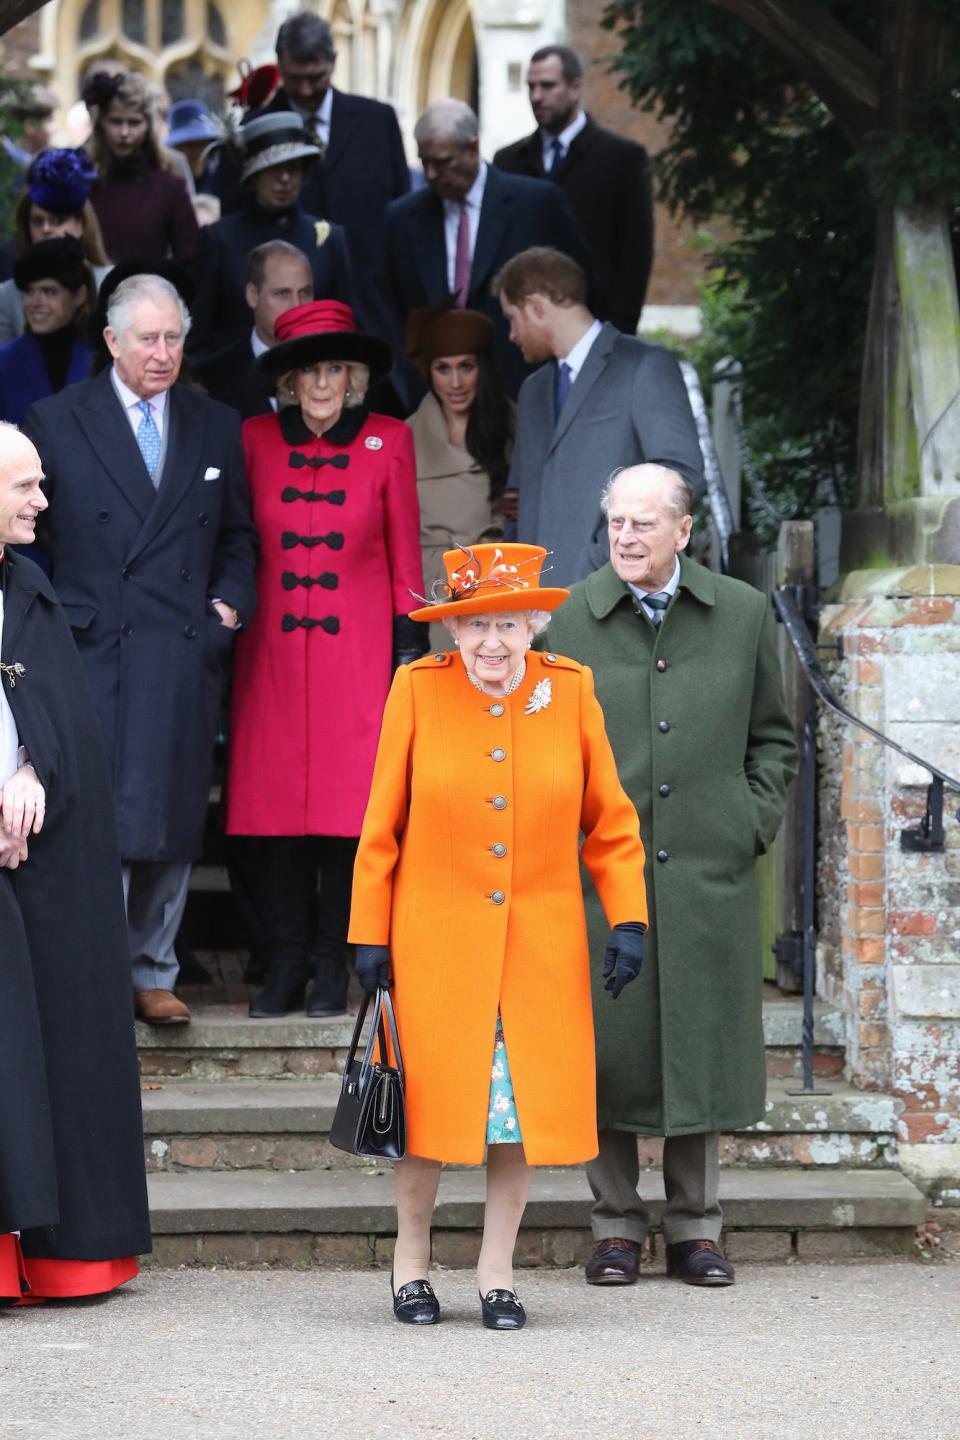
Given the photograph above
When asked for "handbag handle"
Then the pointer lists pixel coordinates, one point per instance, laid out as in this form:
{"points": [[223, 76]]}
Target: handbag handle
{"points": [[381, 1003]]}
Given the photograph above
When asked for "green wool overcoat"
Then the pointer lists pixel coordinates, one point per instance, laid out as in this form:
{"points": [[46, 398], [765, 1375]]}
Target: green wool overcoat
{"points": [[705, 750]]}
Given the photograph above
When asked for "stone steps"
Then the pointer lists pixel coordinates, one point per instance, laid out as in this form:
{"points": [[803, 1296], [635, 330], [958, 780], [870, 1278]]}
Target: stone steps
{"points": [[223, 1043], [346, 1217], [221, 1125]]}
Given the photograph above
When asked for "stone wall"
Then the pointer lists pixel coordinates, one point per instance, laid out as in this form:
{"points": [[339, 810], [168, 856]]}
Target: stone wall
{"points": [[900, 915]]}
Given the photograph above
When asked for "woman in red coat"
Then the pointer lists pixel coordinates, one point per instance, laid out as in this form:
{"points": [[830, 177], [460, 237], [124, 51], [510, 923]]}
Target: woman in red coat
{"points": [[334, 498]]}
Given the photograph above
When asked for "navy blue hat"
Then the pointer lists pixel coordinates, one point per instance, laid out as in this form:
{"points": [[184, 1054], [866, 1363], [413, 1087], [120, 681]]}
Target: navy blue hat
{"points": [[191, 120], [61, 180]]}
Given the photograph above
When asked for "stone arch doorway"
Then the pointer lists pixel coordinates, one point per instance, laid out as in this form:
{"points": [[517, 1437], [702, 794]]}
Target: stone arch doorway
{"points": [[436, 55]]}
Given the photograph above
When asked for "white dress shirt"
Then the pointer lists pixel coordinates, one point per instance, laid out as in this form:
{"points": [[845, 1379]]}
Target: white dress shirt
{"points": [[669, 589], [451, 221], [566, 138], [9, 739], [577, 357], [131, 405]]}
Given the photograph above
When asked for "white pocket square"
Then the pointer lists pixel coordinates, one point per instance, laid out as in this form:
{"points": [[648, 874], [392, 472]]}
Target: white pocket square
{"points": [[211, 473]]}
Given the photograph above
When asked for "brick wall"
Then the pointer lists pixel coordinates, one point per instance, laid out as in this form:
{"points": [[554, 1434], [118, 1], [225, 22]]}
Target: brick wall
{"points": [[677, 266], [900, 911]]}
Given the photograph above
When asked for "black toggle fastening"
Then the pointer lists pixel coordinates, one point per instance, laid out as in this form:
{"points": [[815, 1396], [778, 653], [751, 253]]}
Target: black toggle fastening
{"points": [[332, 497], [290, 539], [330, 623], [327, 580], [317, 462]]}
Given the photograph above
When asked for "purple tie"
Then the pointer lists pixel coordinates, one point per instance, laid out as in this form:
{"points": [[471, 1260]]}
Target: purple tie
{"points": [[461, 264]]}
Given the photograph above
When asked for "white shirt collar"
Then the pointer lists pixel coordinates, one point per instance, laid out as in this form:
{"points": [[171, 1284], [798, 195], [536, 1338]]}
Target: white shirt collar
{"points": [[322, 112], [474, 196], [131, 401], [576, 358], [258, 346], [566, 137], [669, 589]]}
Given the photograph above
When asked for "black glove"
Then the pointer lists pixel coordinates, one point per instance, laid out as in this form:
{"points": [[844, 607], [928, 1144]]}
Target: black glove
{"points": [[623, 956], [411, 640], [373, 967]]}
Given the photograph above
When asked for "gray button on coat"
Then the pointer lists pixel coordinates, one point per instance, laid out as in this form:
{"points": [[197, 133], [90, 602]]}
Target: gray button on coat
{"points": [[681, 1051]]}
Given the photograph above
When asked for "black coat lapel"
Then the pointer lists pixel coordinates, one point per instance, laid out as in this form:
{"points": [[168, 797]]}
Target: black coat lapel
{"points": [[581, 148], [101, 418], [430, 247], [24, 582], [342, 122], [495, 214], [184, 445]]}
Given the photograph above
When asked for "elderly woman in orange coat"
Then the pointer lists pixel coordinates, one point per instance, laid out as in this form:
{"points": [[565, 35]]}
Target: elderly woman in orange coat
{"points": [[491, 766]]}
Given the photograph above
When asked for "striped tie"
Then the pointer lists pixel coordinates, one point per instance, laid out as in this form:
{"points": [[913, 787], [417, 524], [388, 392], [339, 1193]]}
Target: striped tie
{"points": [[657, 603]]}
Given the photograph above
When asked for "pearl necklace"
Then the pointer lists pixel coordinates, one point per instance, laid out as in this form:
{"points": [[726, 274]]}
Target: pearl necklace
{"points": [[517, 680]]}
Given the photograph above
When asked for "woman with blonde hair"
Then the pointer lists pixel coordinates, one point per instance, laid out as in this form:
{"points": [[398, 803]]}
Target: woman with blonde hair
{"points": [[334, 500], [143, 206]]}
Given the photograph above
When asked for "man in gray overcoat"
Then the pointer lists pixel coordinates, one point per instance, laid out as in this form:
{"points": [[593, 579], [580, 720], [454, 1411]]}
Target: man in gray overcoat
{"points": [[686, 669], [599, 401]]}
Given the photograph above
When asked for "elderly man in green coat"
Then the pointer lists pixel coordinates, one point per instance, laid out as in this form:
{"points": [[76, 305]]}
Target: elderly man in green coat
{"points": [[686, 669]]}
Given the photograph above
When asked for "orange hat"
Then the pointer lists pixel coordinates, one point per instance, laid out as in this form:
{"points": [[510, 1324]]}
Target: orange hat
{"points": [[491, 577]]}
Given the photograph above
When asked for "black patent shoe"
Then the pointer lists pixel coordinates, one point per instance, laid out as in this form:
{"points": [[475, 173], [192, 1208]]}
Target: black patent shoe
{"points": [[502, 1310], [283, 992], [699, 1262], [415, 1303], [330, 981]]}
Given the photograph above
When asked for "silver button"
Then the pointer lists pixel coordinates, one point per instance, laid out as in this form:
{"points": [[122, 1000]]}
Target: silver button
{"points": [[499, 849], [498, 897], [551, 658], [496, 709], [438, 657], [499, 802], [498, 754]]}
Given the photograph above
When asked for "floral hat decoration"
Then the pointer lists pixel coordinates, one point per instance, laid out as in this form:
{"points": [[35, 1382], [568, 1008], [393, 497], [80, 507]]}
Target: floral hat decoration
{"points": [[490, 577], [60, 180]]}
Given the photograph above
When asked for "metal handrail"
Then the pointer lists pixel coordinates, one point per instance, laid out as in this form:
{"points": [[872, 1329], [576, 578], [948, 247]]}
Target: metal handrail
{"points": [[793, 604], [717, 497]]}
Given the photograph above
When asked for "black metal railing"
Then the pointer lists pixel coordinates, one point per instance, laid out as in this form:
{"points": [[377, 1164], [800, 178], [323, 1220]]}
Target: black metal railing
{"points": [[796, 607]]}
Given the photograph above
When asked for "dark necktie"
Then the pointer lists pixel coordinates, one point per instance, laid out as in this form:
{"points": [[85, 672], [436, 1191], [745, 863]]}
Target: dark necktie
{"points": [[657, 603], [556, 154], [561, 386]]}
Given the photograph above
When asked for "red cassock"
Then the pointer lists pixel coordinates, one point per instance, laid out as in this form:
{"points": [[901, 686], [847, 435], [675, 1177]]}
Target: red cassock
{"points": [[339, 532]]}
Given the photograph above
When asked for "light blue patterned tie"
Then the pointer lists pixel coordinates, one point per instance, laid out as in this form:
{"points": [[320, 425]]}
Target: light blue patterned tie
{"points": [[148, 438], [657, 602]]}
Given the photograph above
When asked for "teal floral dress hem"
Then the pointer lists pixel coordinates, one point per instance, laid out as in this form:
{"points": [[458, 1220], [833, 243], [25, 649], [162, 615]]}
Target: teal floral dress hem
{"points": [[503, 1124]]}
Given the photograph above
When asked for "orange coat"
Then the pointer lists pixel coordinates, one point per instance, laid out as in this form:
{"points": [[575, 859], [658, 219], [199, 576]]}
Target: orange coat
{"points": [[459, 777]]}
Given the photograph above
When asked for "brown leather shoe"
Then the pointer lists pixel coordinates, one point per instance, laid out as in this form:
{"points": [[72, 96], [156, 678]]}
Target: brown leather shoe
{"points": [[613, 1262], [160, 1007], [699, 1262]]}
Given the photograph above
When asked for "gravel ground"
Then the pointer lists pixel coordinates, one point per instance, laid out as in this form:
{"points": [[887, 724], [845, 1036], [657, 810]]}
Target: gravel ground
{"points": [[868, 1351]]}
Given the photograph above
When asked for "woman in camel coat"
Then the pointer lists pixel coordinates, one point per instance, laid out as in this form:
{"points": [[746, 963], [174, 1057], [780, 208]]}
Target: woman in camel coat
{"points": [[491, 765]]}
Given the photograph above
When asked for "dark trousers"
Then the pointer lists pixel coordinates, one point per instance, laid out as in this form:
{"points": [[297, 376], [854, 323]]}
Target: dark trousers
{"points": [[691, 1181], [274, 883]]}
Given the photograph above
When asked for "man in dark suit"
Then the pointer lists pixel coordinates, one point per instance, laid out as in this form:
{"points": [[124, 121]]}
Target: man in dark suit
{"points": [[601, 401], [362, 165], [605, 177], [275, 149], [153, 556], [278, 277], [469, 220]]}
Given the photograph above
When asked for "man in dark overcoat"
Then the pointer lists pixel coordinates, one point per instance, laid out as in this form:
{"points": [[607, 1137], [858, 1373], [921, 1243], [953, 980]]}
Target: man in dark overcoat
{"points": [[687, 673], [604, 175], [278, 277], [451, 236], [71, 1135], [153, 555]]}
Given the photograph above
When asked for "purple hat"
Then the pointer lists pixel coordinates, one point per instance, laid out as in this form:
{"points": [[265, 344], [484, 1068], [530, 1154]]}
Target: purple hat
{"points": [[189, 120], [61, 180]]}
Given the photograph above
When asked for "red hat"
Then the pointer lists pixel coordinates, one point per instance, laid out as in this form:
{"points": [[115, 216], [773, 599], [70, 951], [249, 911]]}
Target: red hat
{"points": [[322, 330], [257, 85]]}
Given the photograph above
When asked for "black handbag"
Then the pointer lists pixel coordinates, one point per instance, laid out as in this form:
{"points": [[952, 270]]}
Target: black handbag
{"points": [[371, 1116]]}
